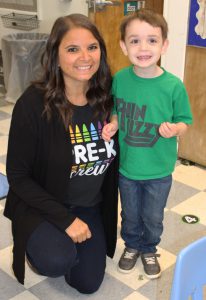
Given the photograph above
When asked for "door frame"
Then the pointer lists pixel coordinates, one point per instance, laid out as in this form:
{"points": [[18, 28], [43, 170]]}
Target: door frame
{"points": [[174, 59]]}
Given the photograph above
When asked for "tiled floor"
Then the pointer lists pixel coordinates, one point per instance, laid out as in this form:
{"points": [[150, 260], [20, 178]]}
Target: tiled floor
{"points": [[188, 196]]}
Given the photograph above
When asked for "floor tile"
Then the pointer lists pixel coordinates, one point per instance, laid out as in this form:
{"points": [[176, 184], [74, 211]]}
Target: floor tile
{"points": [[54, 289], [3, 145], [2, 203], [31, 278], [3, 159], [177, 234], [9, 287], [7, 109], [136, 296], [25, 296], [167, 259], [5, 231], [195, 205], [179, 193], [4, 116], [2, 167], [158, 289], [4, 126], [191, 175]]}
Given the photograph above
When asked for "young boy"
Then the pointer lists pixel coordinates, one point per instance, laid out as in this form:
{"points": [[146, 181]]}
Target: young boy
{"points": [[152, 110]]}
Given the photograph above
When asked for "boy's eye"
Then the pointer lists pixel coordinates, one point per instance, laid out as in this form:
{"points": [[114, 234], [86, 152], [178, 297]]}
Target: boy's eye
{"points": [[134, 41], [152, 41]]}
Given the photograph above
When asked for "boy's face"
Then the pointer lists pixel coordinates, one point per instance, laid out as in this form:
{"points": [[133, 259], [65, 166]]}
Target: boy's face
{"points": [[143, 44]]}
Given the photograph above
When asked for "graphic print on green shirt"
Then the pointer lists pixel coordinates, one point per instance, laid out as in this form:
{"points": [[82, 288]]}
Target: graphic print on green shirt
{"points": [[132, 121], [142, 104]]}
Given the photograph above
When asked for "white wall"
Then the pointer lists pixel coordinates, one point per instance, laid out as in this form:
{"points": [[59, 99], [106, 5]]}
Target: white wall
{"points": [[176, 14], [48, 12]]}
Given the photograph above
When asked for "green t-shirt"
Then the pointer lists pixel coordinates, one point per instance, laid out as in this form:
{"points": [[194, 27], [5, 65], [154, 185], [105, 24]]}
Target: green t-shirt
{"points": [[142, 104]]}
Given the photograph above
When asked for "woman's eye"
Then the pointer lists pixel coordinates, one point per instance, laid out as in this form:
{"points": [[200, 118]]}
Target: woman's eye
{"points": [[72, 49], [93, 47]]}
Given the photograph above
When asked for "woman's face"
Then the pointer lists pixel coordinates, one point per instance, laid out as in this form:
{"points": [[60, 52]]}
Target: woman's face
{"points": [[79, 55]]}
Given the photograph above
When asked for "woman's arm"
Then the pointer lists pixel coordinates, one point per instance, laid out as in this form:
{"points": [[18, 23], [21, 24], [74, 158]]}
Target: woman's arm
{"points": [[21, 161]]}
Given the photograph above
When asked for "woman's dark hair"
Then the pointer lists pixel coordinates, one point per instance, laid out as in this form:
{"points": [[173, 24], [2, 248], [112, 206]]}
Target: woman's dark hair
{"points": [[99, 90]]}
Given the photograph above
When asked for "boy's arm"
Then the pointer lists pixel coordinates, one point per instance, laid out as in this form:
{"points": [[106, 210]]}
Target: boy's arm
{"points": [[168, 130], [114, 121], [110, 129], [181, 128]]}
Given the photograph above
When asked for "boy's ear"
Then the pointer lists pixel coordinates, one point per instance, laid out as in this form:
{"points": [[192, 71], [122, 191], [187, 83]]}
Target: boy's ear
{"points": [[123, 47], [165, 46]]}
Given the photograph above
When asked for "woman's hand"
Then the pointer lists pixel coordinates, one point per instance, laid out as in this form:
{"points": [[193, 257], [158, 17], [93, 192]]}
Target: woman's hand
{"points": [[78, 231]]}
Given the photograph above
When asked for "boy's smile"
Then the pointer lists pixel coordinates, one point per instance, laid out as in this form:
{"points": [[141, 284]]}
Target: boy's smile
{"points": [[144, 45]]}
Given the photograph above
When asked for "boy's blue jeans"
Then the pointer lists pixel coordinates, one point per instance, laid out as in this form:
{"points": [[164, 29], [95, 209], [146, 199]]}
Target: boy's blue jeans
{"points": [[143, 203]]}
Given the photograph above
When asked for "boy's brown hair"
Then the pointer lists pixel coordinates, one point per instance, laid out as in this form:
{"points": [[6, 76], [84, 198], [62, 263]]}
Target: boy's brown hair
{"points": [[148, 16]]}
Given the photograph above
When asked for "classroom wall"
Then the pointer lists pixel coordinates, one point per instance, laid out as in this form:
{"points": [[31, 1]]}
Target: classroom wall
{"points": [[58, 8], [48, 12], [176, 14]]}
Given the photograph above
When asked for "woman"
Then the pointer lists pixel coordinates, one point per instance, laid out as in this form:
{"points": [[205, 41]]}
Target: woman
{"points": [[62, 199]]}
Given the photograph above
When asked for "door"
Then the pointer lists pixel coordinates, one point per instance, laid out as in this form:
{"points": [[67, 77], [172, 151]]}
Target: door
{"points": [[107, 18]]}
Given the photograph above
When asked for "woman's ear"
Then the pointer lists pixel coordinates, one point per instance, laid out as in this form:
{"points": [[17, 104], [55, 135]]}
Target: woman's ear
{"points": [[123, 47]]}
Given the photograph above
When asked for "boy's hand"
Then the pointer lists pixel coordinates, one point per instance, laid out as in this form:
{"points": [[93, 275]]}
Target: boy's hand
{"points": [[168, 130], [108, 131]]}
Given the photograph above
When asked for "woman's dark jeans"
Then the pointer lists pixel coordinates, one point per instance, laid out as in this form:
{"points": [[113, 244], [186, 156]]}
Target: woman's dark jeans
{"points": [[52, 252]]}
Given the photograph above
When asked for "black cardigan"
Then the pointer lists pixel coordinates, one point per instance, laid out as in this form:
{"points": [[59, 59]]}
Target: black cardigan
{"points": [[38, 163]]}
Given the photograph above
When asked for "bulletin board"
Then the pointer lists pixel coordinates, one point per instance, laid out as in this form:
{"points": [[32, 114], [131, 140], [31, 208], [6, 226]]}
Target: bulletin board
{"points": [[197, 24]]}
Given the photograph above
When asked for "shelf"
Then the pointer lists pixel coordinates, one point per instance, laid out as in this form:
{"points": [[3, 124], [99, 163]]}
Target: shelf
{"points": [[20, 21]]}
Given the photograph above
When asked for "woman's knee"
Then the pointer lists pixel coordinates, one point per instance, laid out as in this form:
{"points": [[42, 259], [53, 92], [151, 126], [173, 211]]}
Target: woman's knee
{"points": [[86, 286], [54, 266], [89, 288], [50, 251], [58, 266]]}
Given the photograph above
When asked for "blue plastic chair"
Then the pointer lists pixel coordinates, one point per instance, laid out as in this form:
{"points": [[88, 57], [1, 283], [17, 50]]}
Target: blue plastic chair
{"points": [[4, 186], [190, 272]]}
